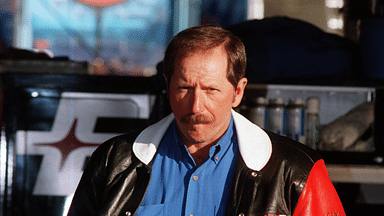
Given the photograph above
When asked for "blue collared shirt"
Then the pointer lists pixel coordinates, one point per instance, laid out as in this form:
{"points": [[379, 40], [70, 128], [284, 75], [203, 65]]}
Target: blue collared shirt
{"points": [[178, 187]]}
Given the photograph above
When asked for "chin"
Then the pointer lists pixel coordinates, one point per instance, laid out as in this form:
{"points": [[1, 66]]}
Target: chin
{"points": [[195, 139], [196, 133]]}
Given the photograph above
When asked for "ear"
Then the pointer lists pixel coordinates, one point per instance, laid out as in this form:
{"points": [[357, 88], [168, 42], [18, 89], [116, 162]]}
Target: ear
{"points": [[167, 84], [239, 92]]}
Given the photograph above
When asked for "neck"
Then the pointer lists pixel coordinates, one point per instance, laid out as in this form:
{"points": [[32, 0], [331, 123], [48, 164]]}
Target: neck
{"points": [[199, 152]]}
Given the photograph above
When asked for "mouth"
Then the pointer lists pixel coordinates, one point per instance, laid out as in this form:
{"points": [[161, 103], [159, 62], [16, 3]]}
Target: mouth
{"points": [[196, 119]]}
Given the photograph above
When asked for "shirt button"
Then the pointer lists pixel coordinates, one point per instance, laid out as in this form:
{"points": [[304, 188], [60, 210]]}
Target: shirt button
{"points": [[254, 174], [128, 213], [241, 214], [217, 158], [195, 177]]}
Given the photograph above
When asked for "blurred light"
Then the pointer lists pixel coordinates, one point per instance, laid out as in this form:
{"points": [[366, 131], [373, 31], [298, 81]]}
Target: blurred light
{"points": [[101, 3], [41, 44], [335, 23], [3, 162], [255, 9], [35, 94], [334, 3]]}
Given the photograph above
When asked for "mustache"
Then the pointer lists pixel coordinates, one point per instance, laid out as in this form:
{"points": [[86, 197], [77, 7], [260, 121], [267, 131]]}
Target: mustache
{"points": [[196, 119]]}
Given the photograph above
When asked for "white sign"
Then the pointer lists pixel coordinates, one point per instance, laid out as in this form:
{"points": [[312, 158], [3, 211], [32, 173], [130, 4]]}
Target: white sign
{"points": [[71, 139]]}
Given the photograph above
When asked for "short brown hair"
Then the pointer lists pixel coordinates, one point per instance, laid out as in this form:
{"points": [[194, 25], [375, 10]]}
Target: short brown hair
{"points": [[201, 38]]}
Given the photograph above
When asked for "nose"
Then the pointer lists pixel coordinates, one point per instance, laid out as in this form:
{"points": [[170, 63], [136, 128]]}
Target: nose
{"points": [[197, 101]]}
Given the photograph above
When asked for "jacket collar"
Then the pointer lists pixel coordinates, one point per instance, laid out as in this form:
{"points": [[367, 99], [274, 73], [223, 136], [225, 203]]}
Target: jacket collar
{"points": [[254, 144]]}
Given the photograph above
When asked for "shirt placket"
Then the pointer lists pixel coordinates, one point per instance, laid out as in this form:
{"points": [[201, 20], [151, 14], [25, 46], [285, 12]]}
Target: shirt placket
{"points": [[194, 196]]}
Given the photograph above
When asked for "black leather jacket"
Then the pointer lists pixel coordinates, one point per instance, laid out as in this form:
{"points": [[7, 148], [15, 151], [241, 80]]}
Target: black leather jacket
{"points": [[117, 176]]}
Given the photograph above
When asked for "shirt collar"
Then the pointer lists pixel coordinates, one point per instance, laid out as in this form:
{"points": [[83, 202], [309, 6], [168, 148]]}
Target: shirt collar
{"points": [[217, 152], [254, 143]]}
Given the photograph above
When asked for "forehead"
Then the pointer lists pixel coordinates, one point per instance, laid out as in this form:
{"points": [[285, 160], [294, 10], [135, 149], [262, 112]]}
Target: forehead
{"points": [[203, 63]]}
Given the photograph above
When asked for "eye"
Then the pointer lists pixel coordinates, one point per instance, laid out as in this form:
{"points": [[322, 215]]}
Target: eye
{"points": [[212, 89], [183, 87]]}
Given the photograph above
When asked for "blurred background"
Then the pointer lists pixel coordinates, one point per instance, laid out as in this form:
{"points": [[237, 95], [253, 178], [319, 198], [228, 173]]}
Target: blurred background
{"points": [[74, 73]]}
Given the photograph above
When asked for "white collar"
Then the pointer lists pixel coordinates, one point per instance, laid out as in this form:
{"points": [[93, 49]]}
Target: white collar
{"points": [[254, 144]]}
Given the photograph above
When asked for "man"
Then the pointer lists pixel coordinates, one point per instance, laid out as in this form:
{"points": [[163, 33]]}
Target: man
{"points": [[205, 159]]}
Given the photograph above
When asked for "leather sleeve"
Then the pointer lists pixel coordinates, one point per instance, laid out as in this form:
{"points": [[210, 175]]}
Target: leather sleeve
{"points": [[110, 181], [319, 197], [86, 199]]}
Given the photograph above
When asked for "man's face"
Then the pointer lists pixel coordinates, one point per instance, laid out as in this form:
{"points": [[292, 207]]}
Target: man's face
{"points": [[201, 97]]}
